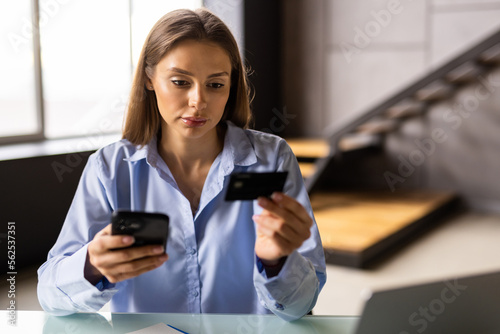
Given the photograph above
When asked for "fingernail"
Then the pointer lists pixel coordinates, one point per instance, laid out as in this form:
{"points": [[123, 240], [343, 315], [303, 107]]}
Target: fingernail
{"points": [[256, 218], [128, 239], [161, 259], [158, 250], [277, 197]]}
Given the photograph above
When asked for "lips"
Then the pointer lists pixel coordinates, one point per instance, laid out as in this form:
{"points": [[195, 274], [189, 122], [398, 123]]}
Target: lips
{"points": [[194, 122]]}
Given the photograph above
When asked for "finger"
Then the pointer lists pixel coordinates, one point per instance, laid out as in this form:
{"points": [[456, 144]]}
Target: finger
{"points": [[105, 243], [284, 245], [271, 207], [135, 268], [286, 224], [272, 228], [292, 205], [284, 206], [275, 225], [105, 231], [140, 264], [112, 258], [273, 210]]}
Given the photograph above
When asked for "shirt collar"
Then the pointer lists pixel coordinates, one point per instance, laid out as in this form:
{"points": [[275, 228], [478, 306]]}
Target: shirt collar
{"points": [[237, 147], [237, 151], [148, 152]]}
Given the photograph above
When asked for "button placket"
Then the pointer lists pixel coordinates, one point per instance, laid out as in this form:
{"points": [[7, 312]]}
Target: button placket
{"points": [[191, 259]]}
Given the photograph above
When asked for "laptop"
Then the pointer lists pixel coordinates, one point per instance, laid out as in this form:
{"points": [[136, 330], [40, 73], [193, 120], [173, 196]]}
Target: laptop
{"points": [[469, 305]]}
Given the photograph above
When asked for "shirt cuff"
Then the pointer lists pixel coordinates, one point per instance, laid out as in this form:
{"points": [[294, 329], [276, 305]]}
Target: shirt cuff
{"points": [[293, 292], [71, 281]]}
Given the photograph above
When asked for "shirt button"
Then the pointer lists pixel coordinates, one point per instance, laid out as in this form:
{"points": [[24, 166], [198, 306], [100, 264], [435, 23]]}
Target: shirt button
{"points": [[195, 293], [192, 251], [279, 306]]}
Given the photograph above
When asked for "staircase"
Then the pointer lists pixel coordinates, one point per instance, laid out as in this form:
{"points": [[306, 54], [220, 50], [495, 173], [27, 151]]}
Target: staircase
{"points": [[358, 227]]}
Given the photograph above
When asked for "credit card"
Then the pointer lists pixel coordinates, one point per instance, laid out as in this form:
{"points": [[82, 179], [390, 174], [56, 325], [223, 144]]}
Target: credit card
{"points": [[249, 186]]}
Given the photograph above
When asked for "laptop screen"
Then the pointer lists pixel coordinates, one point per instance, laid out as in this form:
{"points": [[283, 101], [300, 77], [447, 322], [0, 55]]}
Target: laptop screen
{"points": [[458, 305]]}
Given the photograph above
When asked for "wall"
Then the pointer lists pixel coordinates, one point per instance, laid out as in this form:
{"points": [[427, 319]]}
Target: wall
{"points": [[344, 56], [262, 51], [464, 156], [341, 56], [35, 194]]}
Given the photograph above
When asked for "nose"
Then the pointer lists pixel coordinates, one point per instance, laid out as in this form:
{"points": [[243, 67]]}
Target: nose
{"points": [[197, 98]]}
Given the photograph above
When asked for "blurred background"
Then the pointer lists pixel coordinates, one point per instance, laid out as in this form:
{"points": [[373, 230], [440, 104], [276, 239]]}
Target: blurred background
{"points": [[391, 106]]}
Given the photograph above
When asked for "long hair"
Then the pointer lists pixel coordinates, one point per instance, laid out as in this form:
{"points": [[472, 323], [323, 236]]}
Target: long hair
{"points": [[143, 119]]}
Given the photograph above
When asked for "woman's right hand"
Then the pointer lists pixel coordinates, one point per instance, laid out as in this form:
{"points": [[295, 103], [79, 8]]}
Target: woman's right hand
{"points": [[103, 259]]}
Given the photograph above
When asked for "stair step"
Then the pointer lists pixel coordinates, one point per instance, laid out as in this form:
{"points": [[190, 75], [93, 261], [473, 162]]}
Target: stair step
{"points": [[435, 91], [406, 108], [358, 228], [309, 148], [356, 141], [377, 126], [491, 56], [307, 169], [467, 72]]}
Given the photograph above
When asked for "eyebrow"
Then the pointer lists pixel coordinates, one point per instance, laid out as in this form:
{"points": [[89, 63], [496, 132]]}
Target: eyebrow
{"points": [[181, 71]]}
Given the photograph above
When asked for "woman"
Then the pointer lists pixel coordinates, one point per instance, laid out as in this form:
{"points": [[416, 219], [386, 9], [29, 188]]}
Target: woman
{"points": [[185, 133]]}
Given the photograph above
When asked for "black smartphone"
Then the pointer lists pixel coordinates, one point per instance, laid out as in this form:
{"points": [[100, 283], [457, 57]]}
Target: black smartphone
{"points": [[146, 228], [249, 186]]}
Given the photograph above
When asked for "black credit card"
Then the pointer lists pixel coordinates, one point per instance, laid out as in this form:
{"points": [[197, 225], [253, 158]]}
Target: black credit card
{"points": [[249, 186]]}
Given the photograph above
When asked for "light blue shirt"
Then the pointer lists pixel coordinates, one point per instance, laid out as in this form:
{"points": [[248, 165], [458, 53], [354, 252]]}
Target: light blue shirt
{"points": [[212, 266]]}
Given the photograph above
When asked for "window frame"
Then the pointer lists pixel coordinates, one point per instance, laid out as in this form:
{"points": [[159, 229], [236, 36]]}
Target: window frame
{"points": [[40, 134]]}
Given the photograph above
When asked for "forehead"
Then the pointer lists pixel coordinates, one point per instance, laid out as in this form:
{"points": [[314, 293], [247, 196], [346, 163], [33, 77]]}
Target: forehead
{"points": [[198, 57]]}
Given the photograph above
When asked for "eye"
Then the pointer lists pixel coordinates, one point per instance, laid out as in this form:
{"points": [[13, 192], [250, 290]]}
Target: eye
{"points": [[216, 85], [180, 82]]}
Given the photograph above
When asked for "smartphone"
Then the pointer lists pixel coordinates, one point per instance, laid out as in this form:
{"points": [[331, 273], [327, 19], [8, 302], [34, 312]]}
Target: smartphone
{"points": [[146, 228], [249, 186]]}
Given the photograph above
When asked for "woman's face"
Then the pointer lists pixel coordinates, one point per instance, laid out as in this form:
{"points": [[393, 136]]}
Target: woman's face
{"points": [[192, 84]]}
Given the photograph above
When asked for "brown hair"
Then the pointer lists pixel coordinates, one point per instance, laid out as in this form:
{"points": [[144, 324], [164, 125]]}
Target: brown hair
{"points": [[143, 120]]}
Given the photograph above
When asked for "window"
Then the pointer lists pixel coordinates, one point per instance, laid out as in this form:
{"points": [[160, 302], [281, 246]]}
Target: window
{"points": [[88, 51], [86, 67], [18, 107], [146, 12]]}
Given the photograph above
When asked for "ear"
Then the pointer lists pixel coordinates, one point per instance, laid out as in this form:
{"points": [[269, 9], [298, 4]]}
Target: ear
{"points": [[149, 84]]}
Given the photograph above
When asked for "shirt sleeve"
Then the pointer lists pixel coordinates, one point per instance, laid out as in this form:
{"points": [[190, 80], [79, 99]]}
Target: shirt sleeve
{"points": [[62, 287], [294, 291]]}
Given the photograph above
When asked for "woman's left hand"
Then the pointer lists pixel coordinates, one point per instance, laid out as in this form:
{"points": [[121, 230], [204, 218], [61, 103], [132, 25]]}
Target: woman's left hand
{"points": [[281, 228]]}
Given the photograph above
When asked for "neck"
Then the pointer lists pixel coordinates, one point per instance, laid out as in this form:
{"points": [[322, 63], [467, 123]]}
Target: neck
{"points": [[190, 154]]}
